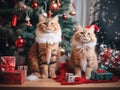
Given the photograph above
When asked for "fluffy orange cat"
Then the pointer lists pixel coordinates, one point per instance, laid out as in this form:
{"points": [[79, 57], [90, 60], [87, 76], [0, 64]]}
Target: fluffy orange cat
{"points": [[83, 56], [44, 53]]}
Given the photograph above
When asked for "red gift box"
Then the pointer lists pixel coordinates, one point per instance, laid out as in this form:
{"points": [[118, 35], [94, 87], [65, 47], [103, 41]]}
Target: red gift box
{"points": [[15, 77], [7, 63]]}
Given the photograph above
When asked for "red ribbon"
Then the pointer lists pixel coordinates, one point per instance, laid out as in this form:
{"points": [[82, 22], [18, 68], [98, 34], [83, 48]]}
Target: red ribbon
{"points": [[101, 71], [107, 54], [7, 63]]}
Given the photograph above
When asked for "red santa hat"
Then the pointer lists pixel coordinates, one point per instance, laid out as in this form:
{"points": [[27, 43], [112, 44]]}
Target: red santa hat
{"points": [[96, 28]]}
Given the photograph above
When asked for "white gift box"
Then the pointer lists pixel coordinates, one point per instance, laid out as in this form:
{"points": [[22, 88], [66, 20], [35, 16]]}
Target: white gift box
{"points": [[70, 77]]}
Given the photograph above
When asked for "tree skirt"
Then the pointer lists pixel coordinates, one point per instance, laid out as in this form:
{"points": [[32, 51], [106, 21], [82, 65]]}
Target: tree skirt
{"points": [[64, 68]]}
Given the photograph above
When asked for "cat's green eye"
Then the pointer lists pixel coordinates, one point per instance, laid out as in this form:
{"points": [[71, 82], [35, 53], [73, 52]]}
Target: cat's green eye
{"points": [[46, 23], [82, 32], [88, 33], [51, 23]]}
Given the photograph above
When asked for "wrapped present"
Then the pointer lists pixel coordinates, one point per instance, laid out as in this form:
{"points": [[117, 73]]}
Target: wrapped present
{"points": [[7, 63], [23, 67], [101, 75], [67, 75], [103, 67], [70, 77], [14, 77]]}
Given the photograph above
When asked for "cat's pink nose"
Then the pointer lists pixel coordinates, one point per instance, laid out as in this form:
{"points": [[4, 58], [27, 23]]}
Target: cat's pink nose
{"points": [[47, 24]]}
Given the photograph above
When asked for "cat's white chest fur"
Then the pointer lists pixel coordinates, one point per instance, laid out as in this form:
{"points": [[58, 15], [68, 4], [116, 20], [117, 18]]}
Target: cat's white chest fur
{"points": [[82, 48], [86, 45], [49, 38]]}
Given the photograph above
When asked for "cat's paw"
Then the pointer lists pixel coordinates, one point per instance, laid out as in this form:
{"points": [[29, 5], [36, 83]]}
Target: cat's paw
{"points": [[87, 77], [88, 73], [44, 76], [78, 74], [53, 76], [37, 74]]}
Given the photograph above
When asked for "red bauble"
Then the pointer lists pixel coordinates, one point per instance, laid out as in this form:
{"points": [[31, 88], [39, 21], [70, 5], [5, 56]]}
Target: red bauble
{"points": [[19, 42], [53, 6], [35, 4], [64, 16]]}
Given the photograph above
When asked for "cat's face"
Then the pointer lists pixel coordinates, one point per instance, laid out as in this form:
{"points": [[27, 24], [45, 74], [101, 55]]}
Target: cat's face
{"points": [[84, 35], [48, 25]]}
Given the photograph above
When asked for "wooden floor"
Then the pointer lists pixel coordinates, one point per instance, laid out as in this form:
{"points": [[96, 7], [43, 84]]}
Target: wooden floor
{"points": [[49, 84]]}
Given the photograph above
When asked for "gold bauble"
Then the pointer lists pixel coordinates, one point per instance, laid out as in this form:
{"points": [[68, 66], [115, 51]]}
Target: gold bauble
{"points": [[72, 13], [62, 51]]}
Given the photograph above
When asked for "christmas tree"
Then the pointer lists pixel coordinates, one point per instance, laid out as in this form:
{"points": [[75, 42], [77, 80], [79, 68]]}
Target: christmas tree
{"points": [[18, 20]]}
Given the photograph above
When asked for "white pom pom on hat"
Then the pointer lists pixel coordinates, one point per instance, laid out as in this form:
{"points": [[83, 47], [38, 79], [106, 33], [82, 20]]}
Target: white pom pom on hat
{"points": [[96, 28]]}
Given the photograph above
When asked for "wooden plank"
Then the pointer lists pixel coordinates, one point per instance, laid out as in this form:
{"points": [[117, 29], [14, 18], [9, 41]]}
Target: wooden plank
{"points": [[49, 84]]}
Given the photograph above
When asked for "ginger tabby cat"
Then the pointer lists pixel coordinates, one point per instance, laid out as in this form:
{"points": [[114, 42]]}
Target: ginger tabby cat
{"points": [[44, 53], [83, 56]]}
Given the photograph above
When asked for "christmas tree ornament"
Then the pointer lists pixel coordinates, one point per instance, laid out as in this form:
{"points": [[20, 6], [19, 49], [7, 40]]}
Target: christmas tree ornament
{"points": [[58, 3], [44, 13], [53, 6], [27, 18], [62, 51], [72, 13], [73, 7], [19, 42], [44, 9], [35, 4], [22, 5], [64, 17], [14, 20], [28, 21], [64, 57]]}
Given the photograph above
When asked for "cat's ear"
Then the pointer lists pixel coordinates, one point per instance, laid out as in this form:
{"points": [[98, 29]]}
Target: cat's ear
{"points": [[41, 17], [56, 18], [92, 28], [78, 27]]}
